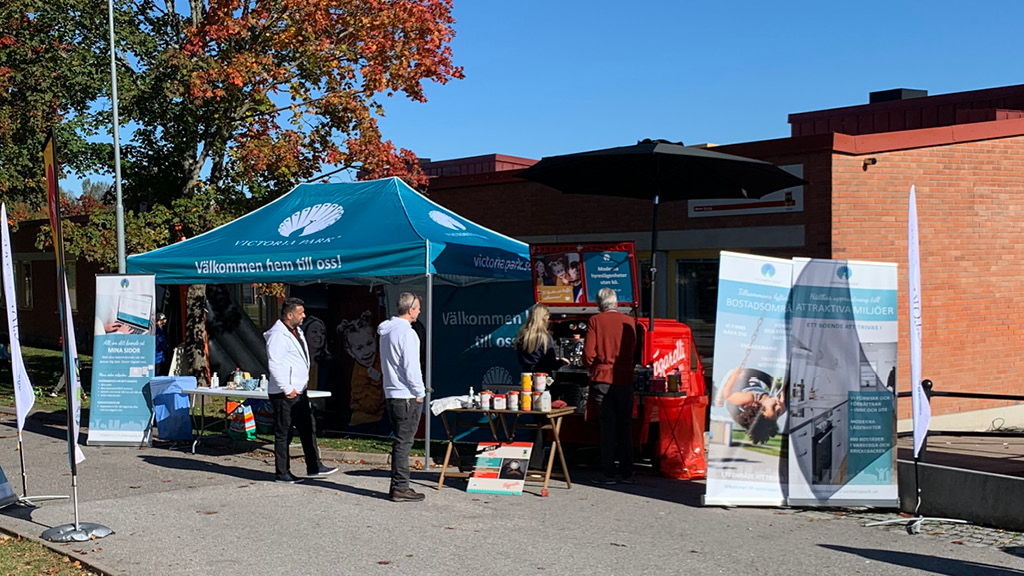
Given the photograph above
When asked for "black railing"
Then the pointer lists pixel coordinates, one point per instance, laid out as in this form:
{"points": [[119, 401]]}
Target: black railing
{"points": [[930, 392]]}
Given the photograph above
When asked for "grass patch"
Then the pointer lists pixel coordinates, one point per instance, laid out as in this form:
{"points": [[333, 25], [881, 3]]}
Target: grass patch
{"points": [[44, 368], [773, 447], [25, 557], [362, 444], [381, 445]]}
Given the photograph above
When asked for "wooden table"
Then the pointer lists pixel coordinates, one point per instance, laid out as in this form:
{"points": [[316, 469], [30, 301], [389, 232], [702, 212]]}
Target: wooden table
{"points": [[470, 418]]}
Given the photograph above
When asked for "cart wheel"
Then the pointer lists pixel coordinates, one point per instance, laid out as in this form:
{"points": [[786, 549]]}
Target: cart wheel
{"points": [[544, 492]]}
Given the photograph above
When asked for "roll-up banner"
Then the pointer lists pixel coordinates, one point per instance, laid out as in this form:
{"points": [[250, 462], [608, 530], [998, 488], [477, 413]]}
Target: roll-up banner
{"points": [[121, 412], [842, 399], [7, 495], [751, 355]]}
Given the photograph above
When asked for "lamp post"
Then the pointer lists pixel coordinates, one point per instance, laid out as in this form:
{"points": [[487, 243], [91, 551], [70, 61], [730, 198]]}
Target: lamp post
{"points": [[119, 209]]}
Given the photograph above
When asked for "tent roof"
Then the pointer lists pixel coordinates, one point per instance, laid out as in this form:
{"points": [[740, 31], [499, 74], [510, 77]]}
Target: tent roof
{"points": [[375, 231]]}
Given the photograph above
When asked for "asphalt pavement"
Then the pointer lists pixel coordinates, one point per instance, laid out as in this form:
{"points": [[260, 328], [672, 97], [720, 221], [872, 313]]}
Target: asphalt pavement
{"points": [[219, 512]]}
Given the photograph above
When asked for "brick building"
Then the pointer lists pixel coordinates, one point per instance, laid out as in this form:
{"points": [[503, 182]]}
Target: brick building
{"points": [[35, 277], [964, 152]]}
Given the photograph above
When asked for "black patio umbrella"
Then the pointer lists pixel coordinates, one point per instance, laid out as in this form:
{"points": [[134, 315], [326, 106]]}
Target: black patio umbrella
{"points": [[660, 170]]}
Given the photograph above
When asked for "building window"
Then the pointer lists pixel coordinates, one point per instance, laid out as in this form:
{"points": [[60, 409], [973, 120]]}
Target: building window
{"points": [[23, 281], [697, 300]]}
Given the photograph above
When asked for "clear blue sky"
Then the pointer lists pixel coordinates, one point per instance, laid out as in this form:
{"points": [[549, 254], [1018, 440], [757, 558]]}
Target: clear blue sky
{"points": [[547, 77]]}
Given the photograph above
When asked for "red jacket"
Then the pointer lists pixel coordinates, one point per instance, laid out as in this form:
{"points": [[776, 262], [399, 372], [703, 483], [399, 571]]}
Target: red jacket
{"points": [[610, 348]]}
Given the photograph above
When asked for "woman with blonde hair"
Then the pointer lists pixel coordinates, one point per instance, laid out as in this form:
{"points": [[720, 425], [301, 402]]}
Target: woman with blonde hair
{"points": [[534, 343]]}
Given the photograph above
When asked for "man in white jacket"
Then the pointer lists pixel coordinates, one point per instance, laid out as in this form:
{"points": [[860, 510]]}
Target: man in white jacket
{"points": [[403, 390], [288, 357]]}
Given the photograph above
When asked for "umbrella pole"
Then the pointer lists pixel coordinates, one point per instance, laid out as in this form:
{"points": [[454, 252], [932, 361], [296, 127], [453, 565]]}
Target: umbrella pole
{"points": [[654, 266]]}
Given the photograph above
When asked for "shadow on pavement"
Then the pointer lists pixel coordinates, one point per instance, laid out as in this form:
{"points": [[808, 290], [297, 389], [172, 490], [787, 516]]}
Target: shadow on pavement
{"points": [[49, 424], [665, 489], [342, 487], [23, 512], [933, 564], [178, 463]]}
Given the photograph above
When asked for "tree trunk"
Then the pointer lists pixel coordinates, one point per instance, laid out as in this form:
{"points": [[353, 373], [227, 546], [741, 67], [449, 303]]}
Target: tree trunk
{"points": [[196, 362]]}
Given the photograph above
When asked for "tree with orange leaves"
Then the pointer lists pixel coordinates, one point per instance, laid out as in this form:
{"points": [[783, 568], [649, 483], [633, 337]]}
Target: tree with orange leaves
{"points": [[239, 98]]}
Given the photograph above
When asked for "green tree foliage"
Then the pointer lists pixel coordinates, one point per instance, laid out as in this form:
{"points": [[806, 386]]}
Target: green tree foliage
{"points": [[227, 103]]}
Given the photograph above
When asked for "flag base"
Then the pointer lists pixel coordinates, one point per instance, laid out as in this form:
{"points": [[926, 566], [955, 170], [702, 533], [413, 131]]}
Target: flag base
{"points": [[914, 524], [70, 533], [32, 501]]}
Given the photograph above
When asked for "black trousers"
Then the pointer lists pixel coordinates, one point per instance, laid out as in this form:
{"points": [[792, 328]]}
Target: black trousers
{"points": [[405, 420], [296, 412], [615, 411]]}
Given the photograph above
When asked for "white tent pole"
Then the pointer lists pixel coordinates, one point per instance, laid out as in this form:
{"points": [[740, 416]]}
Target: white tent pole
{"points": [[429, 367]]}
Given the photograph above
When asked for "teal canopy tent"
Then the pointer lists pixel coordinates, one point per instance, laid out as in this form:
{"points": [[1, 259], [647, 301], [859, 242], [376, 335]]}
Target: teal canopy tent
{"points": [[364, 232], [381, 231]]}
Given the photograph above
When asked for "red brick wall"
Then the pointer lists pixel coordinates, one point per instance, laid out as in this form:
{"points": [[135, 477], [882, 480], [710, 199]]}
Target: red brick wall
{"points": [[520, 208], [970, 202]]}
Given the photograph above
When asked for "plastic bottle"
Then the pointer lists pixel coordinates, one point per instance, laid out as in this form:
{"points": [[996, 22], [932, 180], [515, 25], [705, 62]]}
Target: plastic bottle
{"points": [[472, 398], [215, 381], [237, 376], [545, 401], [264, 383]]}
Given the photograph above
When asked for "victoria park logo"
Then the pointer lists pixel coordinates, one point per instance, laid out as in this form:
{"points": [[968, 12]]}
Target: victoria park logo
{"points": [[311, 220], [843, 273], [125, 283], [446, 220], [767, 270]]}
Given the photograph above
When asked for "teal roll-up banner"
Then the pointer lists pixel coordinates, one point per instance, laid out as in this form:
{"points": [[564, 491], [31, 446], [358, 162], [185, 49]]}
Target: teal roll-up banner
{"points": [[121, 411]]}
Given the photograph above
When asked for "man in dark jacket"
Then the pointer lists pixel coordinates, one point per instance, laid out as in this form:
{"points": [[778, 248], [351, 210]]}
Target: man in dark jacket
{"points": [[608, 353]]}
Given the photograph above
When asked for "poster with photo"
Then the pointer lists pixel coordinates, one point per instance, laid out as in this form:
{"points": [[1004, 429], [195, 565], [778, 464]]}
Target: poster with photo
{"points": [[559, 278], [571, 275], [748, 415], [341, 332], [500, 468]]}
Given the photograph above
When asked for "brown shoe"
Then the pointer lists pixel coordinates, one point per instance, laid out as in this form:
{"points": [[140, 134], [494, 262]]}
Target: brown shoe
{"points": [[407, 495]]}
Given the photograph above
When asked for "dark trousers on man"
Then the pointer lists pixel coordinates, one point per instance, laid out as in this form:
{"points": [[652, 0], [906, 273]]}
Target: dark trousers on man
{"points": [[405, 420], [615, 411], [296, 412]]}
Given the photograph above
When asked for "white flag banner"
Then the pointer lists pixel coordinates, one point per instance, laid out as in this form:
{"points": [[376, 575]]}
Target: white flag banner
{"points": [[24, 397], [921, 407], [74, 383]]}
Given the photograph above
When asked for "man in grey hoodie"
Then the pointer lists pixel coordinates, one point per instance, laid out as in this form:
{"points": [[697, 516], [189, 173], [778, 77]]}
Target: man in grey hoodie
{"points": [[403, 390]]}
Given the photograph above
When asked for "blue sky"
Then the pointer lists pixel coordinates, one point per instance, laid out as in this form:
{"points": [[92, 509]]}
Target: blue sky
{"points": [[547, 77]]}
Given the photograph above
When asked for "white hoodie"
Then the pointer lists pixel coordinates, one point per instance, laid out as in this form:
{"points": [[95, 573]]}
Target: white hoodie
{"points": [[400, 359]]}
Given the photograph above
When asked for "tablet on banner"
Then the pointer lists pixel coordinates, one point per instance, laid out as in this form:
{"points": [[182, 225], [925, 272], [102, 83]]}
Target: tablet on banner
{"points": [[121, 412], [500, 468]]}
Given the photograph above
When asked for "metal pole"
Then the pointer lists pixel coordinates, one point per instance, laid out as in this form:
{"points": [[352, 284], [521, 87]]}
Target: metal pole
{"points": [[24, 474], [654, 264], [429, 368], [74, 489], [119, 213]]}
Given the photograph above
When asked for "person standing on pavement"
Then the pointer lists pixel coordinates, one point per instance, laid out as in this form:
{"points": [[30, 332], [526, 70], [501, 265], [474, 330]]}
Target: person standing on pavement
{"points": [[288, 358], [160, 359], [403, 390], [608, 353]]}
